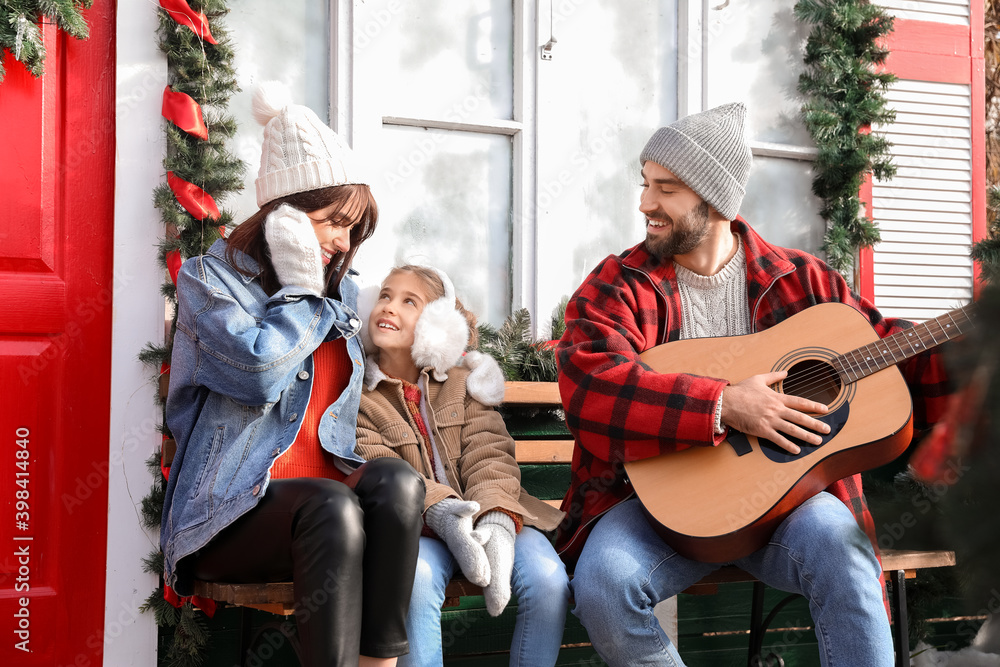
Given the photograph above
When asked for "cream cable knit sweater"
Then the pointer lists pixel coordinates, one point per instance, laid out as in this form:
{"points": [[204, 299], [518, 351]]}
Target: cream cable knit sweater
{"points": [[715, 305]]}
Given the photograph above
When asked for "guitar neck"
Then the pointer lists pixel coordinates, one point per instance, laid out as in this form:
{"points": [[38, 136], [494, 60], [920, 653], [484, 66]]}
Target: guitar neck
{"points": [[899, 347]]}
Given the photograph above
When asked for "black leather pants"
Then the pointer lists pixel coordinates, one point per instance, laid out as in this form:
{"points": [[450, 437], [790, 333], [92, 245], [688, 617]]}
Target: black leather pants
{"points": [[349, 548]]}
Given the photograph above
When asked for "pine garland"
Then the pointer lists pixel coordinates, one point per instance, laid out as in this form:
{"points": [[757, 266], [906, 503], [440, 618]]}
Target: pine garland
{"points": [[520, 357], [21, 35], [199, 66], [987, 251], [845, 97]]}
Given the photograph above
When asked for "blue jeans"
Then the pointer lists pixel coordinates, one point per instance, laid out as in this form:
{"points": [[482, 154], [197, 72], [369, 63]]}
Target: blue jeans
{"points": [[539, 583], [819, 551]]}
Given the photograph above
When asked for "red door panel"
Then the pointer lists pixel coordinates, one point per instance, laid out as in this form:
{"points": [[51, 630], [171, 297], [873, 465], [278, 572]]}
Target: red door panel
{"points": [[56, 244]]}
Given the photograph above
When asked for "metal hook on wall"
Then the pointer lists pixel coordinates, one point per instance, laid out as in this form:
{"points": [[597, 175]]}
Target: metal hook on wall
{"points": [[546, 50]]}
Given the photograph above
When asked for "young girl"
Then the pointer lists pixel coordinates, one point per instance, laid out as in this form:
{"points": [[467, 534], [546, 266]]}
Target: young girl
{"points": [[423, 404], [266, 375]]}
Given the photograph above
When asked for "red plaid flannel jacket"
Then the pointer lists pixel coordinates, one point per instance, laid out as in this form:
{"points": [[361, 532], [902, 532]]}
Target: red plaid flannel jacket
{"points": [[619, 410]]}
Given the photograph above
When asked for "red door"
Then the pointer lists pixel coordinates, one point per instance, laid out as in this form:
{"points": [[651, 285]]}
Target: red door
{"points": [[56, 239]]}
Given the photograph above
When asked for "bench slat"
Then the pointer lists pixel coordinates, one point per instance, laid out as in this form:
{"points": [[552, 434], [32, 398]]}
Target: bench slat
{"points": [[905, 559], [532, 393], [544, 451], [278, 597]]}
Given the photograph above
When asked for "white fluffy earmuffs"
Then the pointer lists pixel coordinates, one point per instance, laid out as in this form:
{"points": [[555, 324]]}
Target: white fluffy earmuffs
{"points": [[441, 334]]}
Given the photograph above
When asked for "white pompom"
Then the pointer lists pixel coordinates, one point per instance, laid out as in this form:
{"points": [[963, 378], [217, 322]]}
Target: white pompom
{"points": [[269, 99], [485, 382]]}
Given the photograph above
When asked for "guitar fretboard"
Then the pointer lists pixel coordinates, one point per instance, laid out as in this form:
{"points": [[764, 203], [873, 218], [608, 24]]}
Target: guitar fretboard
{"points": [[891, 350]]}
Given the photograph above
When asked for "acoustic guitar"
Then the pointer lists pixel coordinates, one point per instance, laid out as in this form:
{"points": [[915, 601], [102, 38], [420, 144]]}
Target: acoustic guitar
{"points": [[717, 504]]}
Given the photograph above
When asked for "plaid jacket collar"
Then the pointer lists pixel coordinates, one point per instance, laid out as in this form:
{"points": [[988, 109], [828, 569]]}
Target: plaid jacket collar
{"points": [[765, 264]]}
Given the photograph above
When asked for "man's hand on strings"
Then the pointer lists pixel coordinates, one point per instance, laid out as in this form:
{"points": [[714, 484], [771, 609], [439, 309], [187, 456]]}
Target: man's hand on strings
{"points": [[754, 408]]}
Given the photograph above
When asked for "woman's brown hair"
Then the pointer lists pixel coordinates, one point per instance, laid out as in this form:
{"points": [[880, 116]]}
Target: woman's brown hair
{"points": [[353, 203], [435, 290]]}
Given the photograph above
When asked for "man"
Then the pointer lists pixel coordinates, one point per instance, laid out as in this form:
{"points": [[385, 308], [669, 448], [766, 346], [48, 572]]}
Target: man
{"points": [[702, 271]]}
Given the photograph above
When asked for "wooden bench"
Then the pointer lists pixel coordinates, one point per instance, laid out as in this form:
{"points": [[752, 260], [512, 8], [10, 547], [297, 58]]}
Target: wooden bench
{"points": [[556, 450]]}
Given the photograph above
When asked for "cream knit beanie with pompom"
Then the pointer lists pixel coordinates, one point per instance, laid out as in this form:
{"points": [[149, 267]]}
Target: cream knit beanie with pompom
{"points": [[300, 152]]}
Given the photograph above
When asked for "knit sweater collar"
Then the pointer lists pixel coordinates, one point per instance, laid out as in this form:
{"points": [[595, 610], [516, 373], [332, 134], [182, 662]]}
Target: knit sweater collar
{"points": [[736, 266], [764, 264]]}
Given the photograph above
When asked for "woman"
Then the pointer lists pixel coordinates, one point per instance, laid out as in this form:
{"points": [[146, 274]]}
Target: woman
{"points": [[266, 377]]}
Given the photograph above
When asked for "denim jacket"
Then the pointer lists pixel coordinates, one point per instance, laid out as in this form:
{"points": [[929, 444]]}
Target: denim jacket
{"points": [[240, 380]]}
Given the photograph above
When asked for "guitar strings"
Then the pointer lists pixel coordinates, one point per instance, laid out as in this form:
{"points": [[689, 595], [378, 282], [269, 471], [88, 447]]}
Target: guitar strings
{"points": [[824, 377], [814, 381]]}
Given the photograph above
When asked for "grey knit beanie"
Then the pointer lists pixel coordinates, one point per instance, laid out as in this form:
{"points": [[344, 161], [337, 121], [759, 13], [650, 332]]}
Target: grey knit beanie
{"points": [[709, 152]]}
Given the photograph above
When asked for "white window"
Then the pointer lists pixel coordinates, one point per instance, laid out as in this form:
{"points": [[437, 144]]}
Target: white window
{"points": [[513, 169], [291, 45], [438, 119], [515, 173], [752, 52]]}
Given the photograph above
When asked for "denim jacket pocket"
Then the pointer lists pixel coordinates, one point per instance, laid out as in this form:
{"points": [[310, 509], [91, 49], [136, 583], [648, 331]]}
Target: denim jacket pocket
{"points": [[208, 467]]}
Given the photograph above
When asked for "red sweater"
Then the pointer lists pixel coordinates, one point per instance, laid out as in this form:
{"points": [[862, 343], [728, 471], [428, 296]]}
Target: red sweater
{"points": [[306, 457]]}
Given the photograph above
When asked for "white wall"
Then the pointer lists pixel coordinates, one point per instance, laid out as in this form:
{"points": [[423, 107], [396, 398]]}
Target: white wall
{"points": [[129, 636]]}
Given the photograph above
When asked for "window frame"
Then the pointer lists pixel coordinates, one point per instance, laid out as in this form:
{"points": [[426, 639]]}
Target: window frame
{"points": [[521, 129]]}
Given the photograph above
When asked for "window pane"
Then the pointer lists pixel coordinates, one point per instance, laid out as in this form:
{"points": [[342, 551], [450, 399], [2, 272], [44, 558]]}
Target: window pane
{"points": [[437, 59], [611, 82], [292, 46], [780, 205], [445, 199], [755, 56]]}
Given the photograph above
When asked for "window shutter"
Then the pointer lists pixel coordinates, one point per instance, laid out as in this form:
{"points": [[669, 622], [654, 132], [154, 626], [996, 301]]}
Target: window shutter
{"points": [[934, 209]]}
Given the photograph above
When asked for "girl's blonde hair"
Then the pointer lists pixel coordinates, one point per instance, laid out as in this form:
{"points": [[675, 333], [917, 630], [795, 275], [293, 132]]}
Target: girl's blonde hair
{"points": [[435, 290]]}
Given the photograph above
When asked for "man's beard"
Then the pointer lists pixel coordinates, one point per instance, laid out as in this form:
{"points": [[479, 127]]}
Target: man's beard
{"points": [[687, 234]]}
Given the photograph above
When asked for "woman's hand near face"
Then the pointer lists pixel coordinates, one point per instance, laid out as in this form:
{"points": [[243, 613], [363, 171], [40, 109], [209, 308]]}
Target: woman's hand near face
{"points": [[295, 250]]}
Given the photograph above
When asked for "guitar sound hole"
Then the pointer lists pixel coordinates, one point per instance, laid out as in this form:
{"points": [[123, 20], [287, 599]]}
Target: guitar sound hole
{"points": [[812, 379]]}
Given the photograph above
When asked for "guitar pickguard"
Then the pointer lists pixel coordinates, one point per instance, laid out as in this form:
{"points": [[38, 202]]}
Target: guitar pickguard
{"points": [[836, 420]]}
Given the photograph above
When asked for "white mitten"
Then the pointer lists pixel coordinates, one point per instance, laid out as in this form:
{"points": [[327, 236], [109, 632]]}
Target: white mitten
{"points": [[485, 380], [451, 519], [295, 251], [499, 546], [367, 298]]}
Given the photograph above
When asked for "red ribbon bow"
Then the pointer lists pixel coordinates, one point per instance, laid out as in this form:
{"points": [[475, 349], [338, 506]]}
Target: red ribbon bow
{"points": [[181, 12], [207, 605], [181, 110], [174, 262], [195, 201]]}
